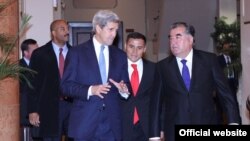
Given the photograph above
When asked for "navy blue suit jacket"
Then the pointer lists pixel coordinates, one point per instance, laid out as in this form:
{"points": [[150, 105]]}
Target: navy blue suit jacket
{"points": [[82, 71]]}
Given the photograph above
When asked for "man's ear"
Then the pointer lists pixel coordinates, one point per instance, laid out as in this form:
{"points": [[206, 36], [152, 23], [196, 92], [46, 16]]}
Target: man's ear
{"points": [[25, 53], [125, 46], [191, 38], [98, 28], [145, 49]]}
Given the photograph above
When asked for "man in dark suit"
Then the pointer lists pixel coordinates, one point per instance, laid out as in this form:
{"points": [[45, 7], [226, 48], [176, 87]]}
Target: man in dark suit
{"points": [[96, 77], [225, 61], [137, 129], [27, 47], [187, 86], [48, 110]]}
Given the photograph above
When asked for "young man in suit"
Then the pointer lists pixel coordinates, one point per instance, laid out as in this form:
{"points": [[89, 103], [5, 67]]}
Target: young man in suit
{"points": [[96, 77], [135, 111], [185, 83], [27, 48], [48, 110]]}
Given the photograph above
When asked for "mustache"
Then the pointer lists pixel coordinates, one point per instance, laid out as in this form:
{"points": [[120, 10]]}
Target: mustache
{"points": [[66, 35]]}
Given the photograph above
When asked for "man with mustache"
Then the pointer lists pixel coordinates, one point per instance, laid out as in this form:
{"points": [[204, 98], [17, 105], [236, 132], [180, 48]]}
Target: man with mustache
{"points": [[48, 110]]}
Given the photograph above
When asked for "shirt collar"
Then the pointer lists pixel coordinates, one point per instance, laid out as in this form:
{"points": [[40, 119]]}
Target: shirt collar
{"points": [[97, 45], [56, 47], [189, 57], [138, 63], [26, 60]]}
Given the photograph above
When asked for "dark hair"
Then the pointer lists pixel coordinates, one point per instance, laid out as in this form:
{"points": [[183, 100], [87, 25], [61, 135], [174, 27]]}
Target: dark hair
{"points": [[136, 35], [25, 44], [189, 28]]}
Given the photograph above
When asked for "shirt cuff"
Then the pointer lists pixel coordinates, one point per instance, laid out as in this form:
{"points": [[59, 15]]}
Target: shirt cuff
{"points": [[124, 95], [89, 92], [233, 124], [154, 138]]}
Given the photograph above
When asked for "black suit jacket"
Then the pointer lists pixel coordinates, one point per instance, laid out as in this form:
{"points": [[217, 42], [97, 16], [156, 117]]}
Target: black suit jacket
{"points": [[233, 82], [195, 106], [23, 90], [141, 101], [44, 98]]}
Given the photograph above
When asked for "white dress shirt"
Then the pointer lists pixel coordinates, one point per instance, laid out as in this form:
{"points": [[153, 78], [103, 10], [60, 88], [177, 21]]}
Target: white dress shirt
{"points": [[56, 49], [97, 47], [139, 64], [189, 63]]}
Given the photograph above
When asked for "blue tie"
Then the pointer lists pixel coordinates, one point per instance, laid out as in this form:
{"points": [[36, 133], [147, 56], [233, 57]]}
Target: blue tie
{"points": [[185, 73], [102, 65]]}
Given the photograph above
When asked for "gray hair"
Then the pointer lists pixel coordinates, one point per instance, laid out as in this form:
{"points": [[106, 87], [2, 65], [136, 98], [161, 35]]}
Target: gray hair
{"points": [[102, 17]]}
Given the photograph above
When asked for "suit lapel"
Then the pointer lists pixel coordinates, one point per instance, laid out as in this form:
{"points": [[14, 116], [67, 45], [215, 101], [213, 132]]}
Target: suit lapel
{"points": [[175, 68], [111, 62], [196, 69], [23, 63], [93, 62], [144, 80], [51, 57]]}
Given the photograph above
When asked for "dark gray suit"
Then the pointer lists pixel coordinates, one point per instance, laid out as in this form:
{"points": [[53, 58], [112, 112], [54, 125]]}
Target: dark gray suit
{"points": [[196, 106]]}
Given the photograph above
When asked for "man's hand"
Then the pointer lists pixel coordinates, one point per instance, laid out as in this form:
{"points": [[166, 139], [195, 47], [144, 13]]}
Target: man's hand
{"points": [[121, 86], [34, 119], [162, 136], [98, 90]]}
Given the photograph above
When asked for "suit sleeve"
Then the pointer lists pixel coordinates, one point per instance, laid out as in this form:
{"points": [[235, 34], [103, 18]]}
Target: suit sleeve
{"points": [[156, 116], [69, 86], [225, 96], [36, 81]]}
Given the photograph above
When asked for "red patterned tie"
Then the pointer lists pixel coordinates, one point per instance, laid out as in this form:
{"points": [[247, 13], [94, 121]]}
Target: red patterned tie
{"points": [[61, 62], [135, 85]]}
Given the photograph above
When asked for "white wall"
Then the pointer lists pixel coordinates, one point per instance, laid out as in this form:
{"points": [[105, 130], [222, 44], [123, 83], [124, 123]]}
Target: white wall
{"points": [[228, 9], [199, 13], [42, 15], [131, 12]]}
